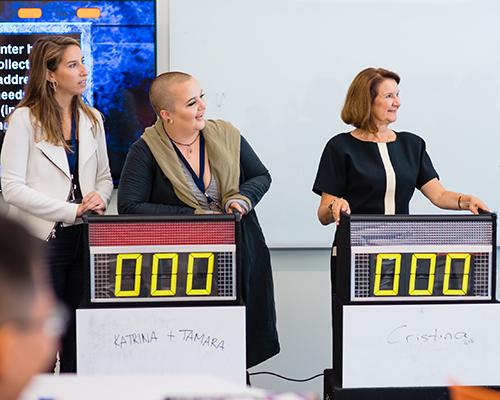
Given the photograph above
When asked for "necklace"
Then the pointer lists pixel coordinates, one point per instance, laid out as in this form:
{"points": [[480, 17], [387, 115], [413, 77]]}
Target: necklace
{"points": [[372, 137], [187, 145]]}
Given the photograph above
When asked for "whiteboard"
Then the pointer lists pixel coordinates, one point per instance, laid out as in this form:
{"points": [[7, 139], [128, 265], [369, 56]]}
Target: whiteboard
{"points": [[420, 345], [279, 70], [175, 340]]}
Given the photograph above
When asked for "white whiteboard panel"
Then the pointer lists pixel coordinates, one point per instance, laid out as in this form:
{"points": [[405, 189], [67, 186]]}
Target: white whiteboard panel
{"points": [[421, 345], [279, 70], [185, 340]]}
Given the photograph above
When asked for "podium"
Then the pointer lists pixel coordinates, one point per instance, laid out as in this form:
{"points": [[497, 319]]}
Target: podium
{"points": [[414, 306], [162, 296]]}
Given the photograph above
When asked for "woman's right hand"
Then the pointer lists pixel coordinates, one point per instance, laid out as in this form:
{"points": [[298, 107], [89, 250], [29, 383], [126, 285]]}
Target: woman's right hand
{"points": [[91, 202], [331, 207], [82, 208], [337, 207]]}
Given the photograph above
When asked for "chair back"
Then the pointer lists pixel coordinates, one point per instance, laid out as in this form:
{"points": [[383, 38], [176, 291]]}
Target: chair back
{"points": [[473, 393]]}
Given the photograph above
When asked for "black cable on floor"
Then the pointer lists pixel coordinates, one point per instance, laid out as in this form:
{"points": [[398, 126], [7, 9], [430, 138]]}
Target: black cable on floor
{"points": [[289, 379]]}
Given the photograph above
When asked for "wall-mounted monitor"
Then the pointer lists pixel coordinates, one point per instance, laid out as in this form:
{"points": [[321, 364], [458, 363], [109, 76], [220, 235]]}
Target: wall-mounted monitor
{"points": [[118, 44]]}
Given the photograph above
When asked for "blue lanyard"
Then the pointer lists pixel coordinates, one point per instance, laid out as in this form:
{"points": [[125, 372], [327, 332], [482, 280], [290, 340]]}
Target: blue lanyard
{"points": [[73, 155], [198, 180]]}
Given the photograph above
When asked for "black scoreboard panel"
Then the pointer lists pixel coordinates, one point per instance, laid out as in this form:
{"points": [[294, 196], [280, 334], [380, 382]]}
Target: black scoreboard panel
{"points": [[164, 273], [416, 258], [150, 260]]}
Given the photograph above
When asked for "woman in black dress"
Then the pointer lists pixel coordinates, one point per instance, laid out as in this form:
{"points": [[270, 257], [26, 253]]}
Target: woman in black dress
{"points": [[373, 169]]}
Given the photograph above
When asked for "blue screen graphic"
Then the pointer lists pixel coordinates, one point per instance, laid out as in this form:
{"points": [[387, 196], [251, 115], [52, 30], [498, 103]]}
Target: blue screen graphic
{"points": [[119, 51]]}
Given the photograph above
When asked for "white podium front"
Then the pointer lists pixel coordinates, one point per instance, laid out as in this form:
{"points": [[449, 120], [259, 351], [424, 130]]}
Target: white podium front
{"points": [[420, 345], [180, 340]]}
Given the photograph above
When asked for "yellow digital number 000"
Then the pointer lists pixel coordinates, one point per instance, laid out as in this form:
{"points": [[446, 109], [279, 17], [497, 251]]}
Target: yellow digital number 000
{"points": [[210, 269], [447, 273], [377, 291], [174, 257], [137, 275], [413, 274]]}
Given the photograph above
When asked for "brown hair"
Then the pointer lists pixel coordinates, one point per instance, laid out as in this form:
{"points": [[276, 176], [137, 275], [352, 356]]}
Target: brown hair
{"points": [[160, 96], [357, 110], [45, 56]]}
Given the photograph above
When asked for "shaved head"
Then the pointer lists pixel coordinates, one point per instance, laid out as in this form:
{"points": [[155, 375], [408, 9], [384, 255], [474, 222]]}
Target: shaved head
{"points": [[160, 93]]}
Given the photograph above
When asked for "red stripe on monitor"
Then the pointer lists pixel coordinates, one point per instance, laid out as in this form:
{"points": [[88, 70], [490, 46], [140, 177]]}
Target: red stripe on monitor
{"points": [[161, 233]]}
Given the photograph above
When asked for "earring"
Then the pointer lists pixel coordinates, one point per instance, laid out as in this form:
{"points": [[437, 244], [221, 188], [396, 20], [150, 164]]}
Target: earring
{"points": [[53, 85]]}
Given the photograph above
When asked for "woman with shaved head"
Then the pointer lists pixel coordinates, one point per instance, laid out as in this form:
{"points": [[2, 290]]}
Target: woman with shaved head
{"points": [[186, 164]]}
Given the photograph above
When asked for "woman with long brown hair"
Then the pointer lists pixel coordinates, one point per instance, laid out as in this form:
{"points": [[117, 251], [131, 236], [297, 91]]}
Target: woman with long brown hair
{"points": [[55, 166]]}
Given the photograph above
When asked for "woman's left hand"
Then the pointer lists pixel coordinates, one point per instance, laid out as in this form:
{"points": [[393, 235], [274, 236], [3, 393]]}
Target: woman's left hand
{"points": [[472, 203], [448, 200], [235, 207], [92, 201]]}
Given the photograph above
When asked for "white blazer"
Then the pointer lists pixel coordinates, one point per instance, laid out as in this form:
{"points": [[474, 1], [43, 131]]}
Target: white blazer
{"points": [[36, 178]]}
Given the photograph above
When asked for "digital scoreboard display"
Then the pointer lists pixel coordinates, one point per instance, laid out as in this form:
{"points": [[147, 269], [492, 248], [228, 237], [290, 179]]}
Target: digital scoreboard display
{"points": [[162, 259], [416, 258], [422, 274], [166, 273]]}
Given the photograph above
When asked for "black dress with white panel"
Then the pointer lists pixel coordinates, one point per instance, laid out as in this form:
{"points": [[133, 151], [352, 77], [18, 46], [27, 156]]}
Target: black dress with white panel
{"points": [[375, 178]]}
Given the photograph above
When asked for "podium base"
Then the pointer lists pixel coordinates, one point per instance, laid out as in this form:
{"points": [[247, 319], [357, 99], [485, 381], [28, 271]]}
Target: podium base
{"points": [[332, 391]]}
